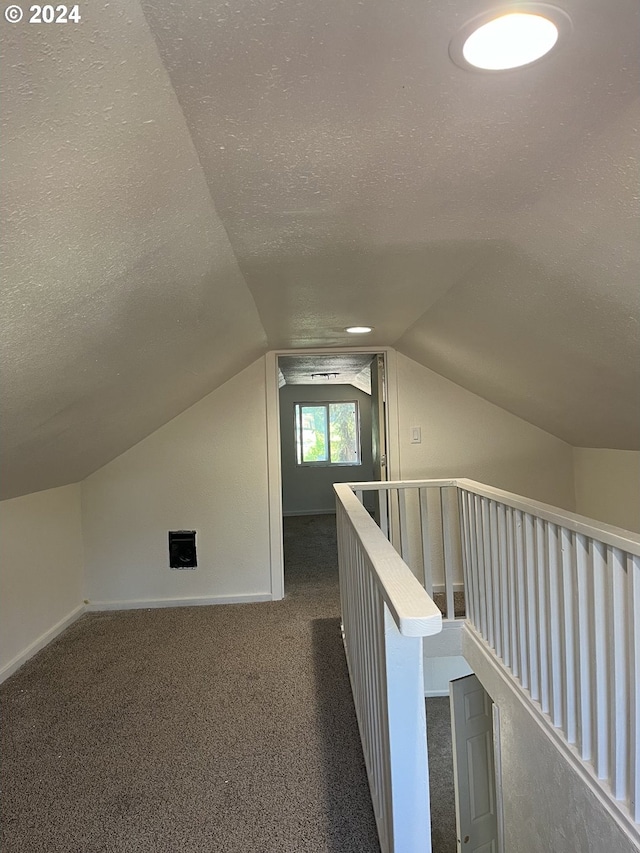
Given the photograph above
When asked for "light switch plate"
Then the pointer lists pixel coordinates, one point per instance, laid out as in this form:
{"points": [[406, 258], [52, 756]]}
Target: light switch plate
{"points": [[416, 435]]}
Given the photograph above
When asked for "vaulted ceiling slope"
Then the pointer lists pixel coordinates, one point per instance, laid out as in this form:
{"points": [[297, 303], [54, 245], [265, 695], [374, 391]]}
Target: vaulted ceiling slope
{"points": [[189, 184], [124, 303]]}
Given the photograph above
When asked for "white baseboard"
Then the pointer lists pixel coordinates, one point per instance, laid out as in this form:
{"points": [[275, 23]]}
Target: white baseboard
{"points": [[201, 600], [439, 671], [42, 641], [291, 512], [440, 587], [137, 604], [434, 694]]}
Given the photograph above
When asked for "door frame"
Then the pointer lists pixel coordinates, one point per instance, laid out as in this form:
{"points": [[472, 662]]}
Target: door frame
{"points": [[274, 470]]}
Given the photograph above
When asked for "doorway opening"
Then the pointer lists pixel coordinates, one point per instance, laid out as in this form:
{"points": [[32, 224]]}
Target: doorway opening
{"points": [[328, 415]]}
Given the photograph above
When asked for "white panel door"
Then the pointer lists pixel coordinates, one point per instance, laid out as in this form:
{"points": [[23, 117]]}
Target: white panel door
{"points": [[474, 766]]}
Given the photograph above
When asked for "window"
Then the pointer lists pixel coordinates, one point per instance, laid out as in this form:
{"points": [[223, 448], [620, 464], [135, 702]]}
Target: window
{"points": [[327, 433]]}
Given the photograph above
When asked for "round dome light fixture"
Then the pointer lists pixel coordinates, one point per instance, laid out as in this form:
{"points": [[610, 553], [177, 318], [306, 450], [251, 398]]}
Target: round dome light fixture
{"points": [[510, 41], [359, 330], [503, 39]]}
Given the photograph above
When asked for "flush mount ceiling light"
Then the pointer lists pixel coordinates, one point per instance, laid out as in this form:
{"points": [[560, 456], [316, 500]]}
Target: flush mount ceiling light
{"points": [[504, 38], [359, 330]]}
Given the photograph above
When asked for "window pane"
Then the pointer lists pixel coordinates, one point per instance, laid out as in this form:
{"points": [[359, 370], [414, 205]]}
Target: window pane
{"points": [[314, 433], [343, 432]]}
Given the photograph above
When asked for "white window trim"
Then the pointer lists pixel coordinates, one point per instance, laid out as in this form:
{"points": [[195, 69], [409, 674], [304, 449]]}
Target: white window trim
{"points": [[297, 427]]}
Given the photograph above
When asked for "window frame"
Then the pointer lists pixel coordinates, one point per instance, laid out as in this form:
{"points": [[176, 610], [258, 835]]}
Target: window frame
{"points": [[297, 433]]}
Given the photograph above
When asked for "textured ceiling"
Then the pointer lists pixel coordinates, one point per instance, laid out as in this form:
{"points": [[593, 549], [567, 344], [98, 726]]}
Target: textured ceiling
{"points": [[188, 184], [333, 369], [122, 298]]}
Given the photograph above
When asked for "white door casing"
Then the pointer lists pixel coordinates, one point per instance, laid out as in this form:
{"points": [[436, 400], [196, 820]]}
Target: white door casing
{"points": [[274, 472]]}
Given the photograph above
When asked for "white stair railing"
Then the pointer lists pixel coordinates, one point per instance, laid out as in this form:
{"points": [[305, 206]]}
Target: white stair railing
{"points": [[421, 520], [385, 615], [555, 597]]}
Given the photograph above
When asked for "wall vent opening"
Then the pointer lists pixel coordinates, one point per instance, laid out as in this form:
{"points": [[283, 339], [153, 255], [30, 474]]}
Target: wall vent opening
{"points": [[182, 549]]}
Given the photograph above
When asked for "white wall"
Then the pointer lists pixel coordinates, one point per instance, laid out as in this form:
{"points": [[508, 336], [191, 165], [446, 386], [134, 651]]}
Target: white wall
{"points": [[41, 578], [465, 436], [608, 485], [206, 470], [548, 804], [309, 489]]}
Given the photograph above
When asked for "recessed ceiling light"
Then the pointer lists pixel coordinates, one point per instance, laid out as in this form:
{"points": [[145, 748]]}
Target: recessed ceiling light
{"points": [[510, 41], [501, 39], [359, 330]]}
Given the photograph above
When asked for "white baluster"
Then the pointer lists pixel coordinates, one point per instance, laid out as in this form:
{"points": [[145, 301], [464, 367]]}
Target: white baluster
{"points": [[618, 686], [425, 540], [448, 550], [542, 601], [505, 632], [633, 600], [554, 627], [599, 682], [523, 651], [583, 648]]}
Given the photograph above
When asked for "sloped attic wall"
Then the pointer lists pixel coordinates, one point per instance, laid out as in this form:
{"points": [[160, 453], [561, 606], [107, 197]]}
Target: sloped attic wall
{"points": [[122, 300], [464, 435], [608, 485], [207, 470]]}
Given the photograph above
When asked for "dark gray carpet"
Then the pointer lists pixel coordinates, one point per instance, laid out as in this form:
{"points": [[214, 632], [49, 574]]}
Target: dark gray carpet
{"points": [[226, 728], [443, 811], [458, 603]]}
